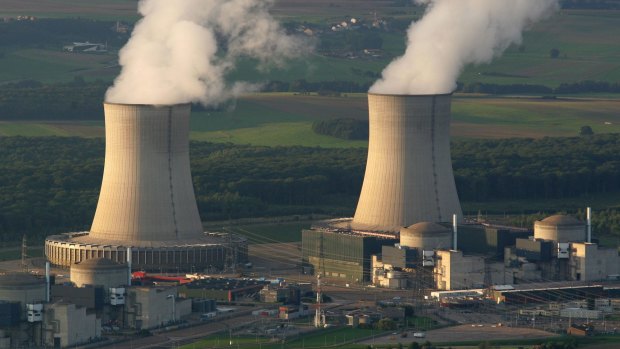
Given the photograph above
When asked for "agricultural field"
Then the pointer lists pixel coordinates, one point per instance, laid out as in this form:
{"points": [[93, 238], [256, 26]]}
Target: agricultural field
{"points": [[586, 40], [108, 9], [285, 119]]}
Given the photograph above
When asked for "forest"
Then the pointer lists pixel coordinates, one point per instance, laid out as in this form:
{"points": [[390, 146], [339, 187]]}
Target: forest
{"points": [[50, 185]]}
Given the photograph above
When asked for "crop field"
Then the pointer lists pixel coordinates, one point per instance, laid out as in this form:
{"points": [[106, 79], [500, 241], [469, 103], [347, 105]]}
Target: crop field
{"points": [[587, 41], [113, 9], [61, 129], [56, 66], [285, 119]]}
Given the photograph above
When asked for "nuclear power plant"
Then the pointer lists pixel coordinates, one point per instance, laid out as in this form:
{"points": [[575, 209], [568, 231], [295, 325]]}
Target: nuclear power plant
{"points": [[147, 204], [408, 180], [408, 229]]}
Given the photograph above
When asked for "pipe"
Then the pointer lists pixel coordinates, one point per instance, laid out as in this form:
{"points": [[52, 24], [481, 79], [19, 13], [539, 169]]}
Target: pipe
{"points": [[454, 230], [589, 224], [129, 266], [47, 282]]}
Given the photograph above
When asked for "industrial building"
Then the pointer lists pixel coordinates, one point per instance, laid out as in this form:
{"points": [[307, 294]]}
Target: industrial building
{"points": [[561, 249], [66, 324], [408, 180], [147, 199], [150, 307]]}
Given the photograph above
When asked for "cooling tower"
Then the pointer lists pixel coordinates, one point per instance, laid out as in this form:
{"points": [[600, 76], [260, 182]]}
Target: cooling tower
{"points": [[147, 198], [146, 192], [409, 176]]}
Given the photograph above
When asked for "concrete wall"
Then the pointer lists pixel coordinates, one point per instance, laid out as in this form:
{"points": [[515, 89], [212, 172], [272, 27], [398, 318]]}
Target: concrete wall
{"points": [[409, 176]]}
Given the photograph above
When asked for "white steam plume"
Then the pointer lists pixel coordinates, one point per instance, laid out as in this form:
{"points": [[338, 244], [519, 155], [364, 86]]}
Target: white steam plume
{"points": [[454, 33], [173, 54]]}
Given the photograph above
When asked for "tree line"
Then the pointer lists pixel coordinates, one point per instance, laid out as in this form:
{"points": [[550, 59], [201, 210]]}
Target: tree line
{"points": [[51, 184], [346, 128]]}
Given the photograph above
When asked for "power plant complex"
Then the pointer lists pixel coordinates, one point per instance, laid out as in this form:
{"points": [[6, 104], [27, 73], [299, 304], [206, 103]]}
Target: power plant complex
{"points": [[408, 229], [408, 232], [146, 205]]}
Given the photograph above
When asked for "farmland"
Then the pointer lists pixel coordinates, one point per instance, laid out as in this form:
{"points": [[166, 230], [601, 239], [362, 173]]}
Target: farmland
{"points": [[285, 119]]}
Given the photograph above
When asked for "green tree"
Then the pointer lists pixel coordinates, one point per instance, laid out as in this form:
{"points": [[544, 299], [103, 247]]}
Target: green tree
{"points": [[554, 53], [586, 131], [414, 345]]}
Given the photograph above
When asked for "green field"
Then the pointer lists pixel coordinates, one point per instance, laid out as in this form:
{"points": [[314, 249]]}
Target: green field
{"points": [[51, 66], [335, 338], [587, 40], [265, 233], [284, 119]]}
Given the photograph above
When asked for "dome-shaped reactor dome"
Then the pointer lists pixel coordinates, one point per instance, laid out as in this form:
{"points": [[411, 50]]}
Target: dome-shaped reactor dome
{"points": [[99, 271], [560, 228], [426, 236], [22, 287]]}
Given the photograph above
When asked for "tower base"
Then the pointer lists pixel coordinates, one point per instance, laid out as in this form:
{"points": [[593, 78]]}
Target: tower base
{"points": [[213, 251]]}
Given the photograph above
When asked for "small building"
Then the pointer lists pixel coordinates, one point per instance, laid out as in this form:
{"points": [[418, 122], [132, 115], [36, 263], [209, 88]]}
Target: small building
{"points": [[341, 252]]}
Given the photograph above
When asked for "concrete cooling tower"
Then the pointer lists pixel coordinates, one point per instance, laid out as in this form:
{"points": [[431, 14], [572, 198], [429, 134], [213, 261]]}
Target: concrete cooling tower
{"points": [[409, 176], [147, 199]]}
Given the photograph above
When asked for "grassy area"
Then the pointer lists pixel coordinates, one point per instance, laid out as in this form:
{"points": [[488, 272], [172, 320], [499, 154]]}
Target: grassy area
{"points": [[13, 253], [271, 232], [586, 40], [62, 129], [49, 65], [333, 337], [285, 119]]}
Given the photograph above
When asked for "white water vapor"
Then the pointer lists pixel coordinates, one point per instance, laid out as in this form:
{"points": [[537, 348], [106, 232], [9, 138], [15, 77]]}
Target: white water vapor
{"points": [[181, 50], [453, 34]]}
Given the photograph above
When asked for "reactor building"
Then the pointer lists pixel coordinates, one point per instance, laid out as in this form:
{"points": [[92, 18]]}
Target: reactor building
{"points": [[408, 180], [147, 206]]}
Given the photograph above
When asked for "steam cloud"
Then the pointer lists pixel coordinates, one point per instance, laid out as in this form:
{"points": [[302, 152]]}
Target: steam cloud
{"points": [[173, 54], [454, 33]]}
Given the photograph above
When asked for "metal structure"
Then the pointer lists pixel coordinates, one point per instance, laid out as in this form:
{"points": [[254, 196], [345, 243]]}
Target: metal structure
{"points": [[409, 176], [147, 198]]}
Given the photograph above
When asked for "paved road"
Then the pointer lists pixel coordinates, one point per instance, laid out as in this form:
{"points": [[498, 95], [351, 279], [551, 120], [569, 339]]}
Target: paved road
{"points": [[183, 336], [466, 333]]}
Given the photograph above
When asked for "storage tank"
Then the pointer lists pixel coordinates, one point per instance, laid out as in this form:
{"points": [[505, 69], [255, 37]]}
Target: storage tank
{"points": [[99, 272], [560, 228], [409, 176], [426, 236], [147, 199]]}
